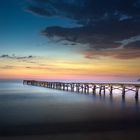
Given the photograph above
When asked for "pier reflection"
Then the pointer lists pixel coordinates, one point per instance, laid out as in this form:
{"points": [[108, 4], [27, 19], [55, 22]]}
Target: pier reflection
{"points": [[116, 100]]}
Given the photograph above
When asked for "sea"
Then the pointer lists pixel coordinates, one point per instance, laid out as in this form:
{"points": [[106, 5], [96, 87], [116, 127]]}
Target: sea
{"points": [[31, 112]]}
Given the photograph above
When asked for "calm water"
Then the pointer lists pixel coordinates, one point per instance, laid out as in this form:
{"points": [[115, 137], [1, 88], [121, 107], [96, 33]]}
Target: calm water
{"points": [[24, 107]]}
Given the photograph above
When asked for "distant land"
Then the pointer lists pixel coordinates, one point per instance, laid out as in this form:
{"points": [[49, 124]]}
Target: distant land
{"points": [[138, 80]]}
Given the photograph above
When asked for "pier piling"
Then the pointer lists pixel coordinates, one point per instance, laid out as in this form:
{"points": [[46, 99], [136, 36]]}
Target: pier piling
{"points": [[88, 88]]}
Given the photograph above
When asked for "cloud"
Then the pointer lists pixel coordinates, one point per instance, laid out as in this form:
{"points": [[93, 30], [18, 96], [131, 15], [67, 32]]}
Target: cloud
{"points": [[7, 67], [118, 54], [91, 10], [106, 25], [38, 11], [134, 45], [4, 56], [28, 67], [16, 57]]}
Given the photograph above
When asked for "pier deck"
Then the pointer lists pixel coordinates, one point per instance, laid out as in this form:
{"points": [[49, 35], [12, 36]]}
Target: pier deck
{"points": [[88, 88]]}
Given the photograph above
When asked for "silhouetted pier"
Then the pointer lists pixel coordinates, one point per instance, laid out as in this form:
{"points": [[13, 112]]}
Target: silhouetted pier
{"points": [[88, 88]]}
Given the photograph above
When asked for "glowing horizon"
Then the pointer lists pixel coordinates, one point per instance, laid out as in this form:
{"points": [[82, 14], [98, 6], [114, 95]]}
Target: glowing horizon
{"points": [[41, 68]]}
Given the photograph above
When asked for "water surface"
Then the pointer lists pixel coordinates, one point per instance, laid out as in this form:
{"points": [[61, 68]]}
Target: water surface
{"points": [[28, 109]]}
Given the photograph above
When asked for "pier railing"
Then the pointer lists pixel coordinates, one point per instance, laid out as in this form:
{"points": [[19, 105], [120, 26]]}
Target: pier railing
{"points": [[88, 88]]}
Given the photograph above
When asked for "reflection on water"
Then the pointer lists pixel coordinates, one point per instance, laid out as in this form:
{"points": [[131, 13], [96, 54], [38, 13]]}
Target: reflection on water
{"points": [[23, 105], [121, 99]]}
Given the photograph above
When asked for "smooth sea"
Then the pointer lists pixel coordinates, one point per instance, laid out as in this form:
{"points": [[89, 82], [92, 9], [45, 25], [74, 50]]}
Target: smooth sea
{"points": [[31, 112]]}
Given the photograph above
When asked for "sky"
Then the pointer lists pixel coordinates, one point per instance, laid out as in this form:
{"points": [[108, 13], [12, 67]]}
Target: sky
{"points": [[96, 40]]}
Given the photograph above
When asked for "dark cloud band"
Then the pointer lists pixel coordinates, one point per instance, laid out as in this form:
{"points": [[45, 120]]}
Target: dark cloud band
{"points": [[16, 57], [105, 24]]}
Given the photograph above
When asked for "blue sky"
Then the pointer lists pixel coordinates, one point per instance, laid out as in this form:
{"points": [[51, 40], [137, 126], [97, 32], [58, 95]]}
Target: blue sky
{"points": [[87, 38], [21, 31]]}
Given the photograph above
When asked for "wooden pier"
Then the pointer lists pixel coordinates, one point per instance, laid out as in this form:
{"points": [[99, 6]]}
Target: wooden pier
{"points": [[89, 88]]}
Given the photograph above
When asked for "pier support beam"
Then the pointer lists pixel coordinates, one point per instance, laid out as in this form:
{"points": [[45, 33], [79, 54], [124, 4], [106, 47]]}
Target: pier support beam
{"points": [[82, 89], [67, 87], [85, 89], [100, 90], [111, 90], [123, 91], [137, 93], [63, 86], [72, 87], [104, 89], [94, 89]]}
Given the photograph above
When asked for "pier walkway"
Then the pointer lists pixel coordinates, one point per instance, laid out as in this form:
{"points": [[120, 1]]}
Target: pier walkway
{"points": [[88, 88]]}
